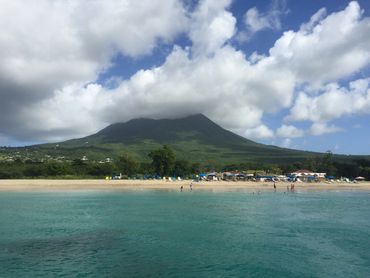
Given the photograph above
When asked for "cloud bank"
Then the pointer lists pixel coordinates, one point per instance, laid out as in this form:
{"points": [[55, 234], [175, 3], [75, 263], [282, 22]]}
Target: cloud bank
{"points": [[53, 52]]}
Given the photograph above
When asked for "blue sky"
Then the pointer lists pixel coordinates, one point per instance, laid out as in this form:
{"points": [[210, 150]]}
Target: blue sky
{"points": [[290, 73]]}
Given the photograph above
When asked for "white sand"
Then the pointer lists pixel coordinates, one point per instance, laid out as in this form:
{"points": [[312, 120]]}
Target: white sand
{"points": [[48, 185]]}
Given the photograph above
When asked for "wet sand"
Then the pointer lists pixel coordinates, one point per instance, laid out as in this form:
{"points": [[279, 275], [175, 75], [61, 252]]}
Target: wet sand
{"points": [[60, 185]]}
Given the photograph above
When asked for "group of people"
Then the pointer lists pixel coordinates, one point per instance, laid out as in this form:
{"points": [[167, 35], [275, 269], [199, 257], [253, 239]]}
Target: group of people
{"points": [[191, 187], [292, 188], [288, 189]]}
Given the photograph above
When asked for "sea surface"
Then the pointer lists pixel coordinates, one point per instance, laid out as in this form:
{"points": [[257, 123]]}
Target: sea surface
{"points": [[184, 234]]}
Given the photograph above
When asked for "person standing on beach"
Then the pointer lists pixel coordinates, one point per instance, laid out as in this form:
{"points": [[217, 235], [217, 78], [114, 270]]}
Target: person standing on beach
{"points": [[274, 187], [191, 186], [181, 188]]}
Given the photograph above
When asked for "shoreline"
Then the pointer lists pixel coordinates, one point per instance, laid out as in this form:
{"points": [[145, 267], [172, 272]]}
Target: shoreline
{"points": [[134, 185]]}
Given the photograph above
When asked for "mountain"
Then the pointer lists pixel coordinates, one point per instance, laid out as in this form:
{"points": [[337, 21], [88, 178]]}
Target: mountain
{"points": [[195, 138]]}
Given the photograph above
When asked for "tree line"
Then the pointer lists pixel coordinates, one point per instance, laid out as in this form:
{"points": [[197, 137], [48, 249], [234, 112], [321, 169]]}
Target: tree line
{"points": [[163, 162]]}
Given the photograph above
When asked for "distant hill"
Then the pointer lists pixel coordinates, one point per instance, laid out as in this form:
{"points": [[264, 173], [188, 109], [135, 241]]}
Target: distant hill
{"points": [[195, 138]]}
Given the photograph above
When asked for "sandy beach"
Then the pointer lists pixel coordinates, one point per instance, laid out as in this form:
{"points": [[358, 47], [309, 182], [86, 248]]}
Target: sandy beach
{"points": [[60, 185]]}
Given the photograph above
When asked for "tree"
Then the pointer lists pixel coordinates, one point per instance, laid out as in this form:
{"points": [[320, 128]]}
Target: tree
{"points": [[163, 160], [349, 170], [230, 167], [34, 170], [56, 169], [276, 170], [100, 169], [365, 172], [297, 165], [182, 168], [127, 165], [312, 163], [145, 168], [327, 164], [6, 174], [287, 168], [195, 168]]}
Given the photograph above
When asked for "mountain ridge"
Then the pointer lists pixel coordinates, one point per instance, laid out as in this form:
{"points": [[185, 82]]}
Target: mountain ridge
{"points": [[166, 130], [194, 138]]}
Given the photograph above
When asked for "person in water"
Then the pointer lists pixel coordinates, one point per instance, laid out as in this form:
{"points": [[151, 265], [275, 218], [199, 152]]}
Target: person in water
{"points": [[274, 187]]}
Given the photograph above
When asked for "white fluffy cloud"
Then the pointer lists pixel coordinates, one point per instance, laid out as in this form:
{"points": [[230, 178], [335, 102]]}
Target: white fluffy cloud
{"points": [[333, 103], [53, 51], [259, 132], [49, 45], [326, 49], [211, 26], [289, 131], [225, 87], [323, 128], [287, 143], [256, 21], [314, 20]]}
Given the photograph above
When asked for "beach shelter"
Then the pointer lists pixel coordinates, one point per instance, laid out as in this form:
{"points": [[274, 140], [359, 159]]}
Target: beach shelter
{"points": [[211, 176], [241, 176], [202, 176], [228, 176], [311, 178], [360, 178]]}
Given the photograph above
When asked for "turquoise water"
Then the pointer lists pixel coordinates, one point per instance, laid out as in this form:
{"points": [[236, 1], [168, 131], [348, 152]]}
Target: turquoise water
{"points": [[188, 234]]}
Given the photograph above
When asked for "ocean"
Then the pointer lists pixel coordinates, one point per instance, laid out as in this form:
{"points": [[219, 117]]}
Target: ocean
{"points": [[184, 234]]}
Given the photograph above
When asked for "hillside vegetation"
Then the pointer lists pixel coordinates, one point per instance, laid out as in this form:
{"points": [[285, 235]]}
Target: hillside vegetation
{"points": [[195, 139]]}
